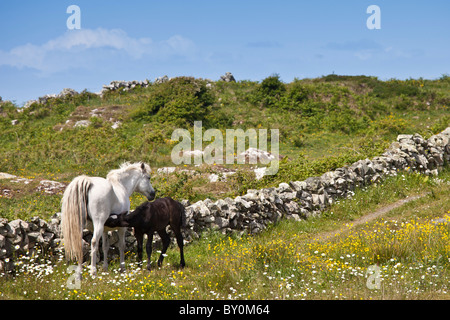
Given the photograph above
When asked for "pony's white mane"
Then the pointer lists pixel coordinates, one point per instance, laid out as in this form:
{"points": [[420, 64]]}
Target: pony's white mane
{"points": [[125, 168]]}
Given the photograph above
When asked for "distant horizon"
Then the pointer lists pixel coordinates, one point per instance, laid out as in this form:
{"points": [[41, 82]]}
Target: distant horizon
{"points": [[237, 80], [48, 46]]}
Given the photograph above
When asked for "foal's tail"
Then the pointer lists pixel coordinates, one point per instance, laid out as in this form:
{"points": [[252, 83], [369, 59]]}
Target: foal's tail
{"points": [[73, 216]]}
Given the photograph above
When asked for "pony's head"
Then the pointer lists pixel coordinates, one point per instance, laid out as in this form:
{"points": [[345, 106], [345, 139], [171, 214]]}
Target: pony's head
{"points": [[144, 185], [139, 173]]}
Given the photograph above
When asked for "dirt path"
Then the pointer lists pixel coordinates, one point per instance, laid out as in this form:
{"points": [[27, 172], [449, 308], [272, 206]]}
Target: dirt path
{"points": [[369, 217]]}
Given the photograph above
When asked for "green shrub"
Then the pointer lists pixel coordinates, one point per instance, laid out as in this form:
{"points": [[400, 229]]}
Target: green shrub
{"points": [[296, 94], [181, 100], [269, 92], [394, 88]]}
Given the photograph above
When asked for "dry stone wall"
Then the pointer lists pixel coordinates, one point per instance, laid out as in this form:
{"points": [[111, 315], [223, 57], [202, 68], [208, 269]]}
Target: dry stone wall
{"points": [[254, 211]]}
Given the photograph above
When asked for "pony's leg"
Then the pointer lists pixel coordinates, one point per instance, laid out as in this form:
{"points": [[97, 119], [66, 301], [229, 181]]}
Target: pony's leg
{"points": [[166, 241], [122, 248], [105, 247], [148, 247], [140, 243], [180, 245], [98, 231]]}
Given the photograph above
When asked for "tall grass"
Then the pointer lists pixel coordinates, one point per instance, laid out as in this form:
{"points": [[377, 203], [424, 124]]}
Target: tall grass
{"points": [[288, 261]]}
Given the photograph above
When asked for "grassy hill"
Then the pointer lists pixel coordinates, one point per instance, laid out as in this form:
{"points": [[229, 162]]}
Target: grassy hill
{"points": [[324, 123]]}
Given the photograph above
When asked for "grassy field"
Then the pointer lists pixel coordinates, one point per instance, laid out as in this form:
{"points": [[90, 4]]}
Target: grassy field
{"points": [[406, 248], [324, 123]]}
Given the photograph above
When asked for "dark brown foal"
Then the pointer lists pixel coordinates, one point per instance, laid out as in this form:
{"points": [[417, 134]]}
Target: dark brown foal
{"points": [[150, 217]]}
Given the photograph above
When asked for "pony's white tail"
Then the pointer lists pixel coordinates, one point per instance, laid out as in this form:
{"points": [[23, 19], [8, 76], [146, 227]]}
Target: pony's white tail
{"points": [[73, 215]]}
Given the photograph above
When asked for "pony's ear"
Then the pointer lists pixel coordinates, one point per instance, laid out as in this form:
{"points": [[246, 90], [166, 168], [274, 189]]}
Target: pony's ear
{"points": [[143, 167]]}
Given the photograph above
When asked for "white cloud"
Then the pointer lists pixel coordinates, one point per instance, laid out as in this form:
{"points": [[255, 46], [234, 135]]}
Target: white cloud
{"points": [[82, 48]]}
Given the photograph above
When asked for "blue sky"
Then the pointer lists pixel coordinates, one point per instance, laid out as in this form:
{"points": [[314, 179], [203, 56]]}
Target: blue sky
{"points": [[140, 40]]}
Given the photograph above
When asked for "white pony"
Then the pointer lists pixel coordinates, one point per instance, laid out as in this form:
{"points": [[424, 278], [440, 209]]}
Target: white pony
{"points": [[89, 201]]}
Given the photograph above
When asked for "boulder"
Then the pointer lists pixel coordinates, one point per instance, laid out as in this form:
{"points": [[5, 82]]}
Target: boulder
{"points": [[228, 77], [162, 79]]}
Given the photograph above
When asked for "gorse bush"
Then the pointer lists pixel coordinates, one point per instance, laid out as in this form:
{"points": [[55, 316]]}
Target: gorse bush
{"points": [[269, 92], [181, 100], [295, 96]]}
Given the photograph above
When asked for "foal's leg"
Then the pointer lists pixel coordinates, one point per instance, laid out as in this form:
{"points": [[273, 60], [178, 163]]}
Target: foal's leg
{"points": [[140, 243], [105, 247], [166, 241], [121, 232], [148, 247], [180, 243]]}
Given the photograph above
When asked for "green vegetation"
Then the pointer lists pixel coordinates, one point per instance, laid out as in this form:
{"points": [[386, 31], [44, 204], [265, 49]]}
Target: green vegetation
{"points": [[324, 123], [291, 260], [179, 101]]}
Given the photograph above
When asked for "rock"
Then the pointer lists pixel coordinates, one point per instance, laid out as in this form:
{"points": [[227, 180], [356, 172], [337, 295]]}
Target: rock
{"points": [[313, 183], [35, 237], [82, 123], [228, 77], [5, 229], [404, 137], [193, 153], [255, 227], [28, 104], [284, 187], [67, 92], [298, 185], [51, 187], [4, 175], [252, 155], [291, 207], [44, 99], [17, 226], [2, 241], [221, 222], [116, 125], [214, 177], [162, 79], [124, 85], [242, 204], [166, 170], [201, 209], [260, 173]]}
